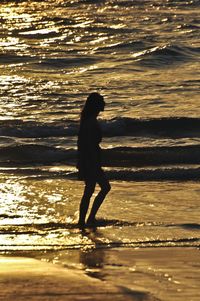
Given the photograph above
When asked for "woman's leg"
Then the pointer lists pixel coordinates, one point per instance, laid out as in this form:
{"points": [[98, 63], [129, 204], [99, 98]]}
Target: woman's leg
{"points": [[105, 188], [88, 191]]}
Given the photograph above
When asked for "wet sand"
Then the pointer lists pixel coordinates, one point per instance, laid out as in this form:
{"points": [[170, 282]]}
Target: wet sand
{"points": [[31, 279], [148, 274]]}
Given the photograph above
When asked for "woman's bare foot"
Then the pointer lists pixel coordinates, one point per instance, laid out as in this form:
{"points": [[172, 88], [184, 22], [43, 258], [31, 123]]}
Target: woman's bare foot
{"points": [[91, 222], [81, 225]]}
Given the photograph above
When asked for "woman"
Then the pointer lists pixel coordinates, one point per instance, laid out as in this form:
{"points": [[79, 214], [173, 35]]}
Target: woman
{"points": [[89, 158]]}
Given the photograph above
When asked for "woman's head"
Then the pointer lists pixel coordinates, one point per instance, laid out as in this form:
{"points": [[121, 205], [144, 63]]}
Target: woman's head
{"points": [[93, 105]]}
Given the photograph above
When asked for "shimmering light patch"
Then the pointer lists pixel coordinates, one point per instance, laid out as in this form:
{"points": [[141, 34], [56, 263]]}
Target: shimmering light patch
{"points": [[15, 14], [138, 54], [78, 71], [15, 198], [11, 12], [6, 80], [83, 24], [11, 194], [117, 26], [54, 197], [98, 40], [31, 218], [11, 191], [11, 43], [39, 31], [10, 105]]}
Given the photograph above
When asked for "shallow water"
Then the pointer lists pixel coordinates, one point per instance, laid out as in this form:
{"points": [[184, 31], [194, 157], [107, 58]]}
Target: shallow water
{"points": [[40, 214], [147, 240]]}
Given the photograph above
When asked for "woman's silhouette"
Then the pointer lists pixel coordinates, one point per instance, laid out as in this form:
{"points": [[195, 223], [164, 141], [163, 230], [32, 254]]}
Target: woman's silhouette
{"points": [[89, 158]]}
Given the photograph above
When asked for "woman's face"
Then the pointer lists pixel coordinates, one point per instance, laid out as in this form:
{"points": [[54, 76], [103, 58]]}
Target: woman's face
{"points": [[103, 106]]}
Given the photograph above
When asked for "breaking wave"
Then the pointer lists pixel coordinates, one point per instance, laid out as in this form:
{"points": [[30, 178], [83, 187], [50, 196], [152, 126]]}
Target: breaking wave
{"points": [[124, 126], [162, 56], [113, 157]]}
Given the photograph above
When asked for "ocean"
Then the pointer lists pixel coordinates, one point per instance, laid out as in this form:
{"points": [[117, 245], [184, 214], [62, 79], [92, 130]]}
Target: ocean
{"points": [[143, 56]]}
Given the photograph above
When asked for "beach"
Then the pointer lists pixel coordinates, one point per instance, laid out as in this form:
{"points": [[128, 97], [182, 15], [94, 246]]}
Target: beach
{"points": [[142, 56], [25, 278], [125, 274]]}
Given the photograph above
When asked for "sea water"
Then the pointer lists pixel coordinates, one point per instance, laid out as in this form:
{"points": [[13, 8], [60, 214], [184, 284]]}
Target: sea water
{"points": [[143, 57]]}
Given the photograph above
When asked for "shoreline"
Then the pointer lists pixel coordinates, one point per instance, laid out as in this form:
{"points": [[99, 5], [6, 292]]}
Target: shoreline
{"points": [[150, 274], [24, 278]]}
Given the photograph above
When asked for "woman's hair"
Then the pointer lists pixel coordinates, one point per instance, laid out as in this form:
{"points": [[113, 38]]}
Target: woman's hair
{"points": [[93, 105]]}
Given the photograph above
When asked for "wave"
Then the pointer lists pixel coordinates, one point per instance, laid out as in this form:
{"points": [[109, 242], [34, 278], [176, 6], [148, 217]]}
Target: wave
{"points": [[161, 4], [159, 127], [145, 244], [173, 243], [20, 228], [43, 230], [130, 45], [177, 174], [113, 157], [147, 156], [195, 242], [181, 3], [189, 26], [163, 56], [29, 129], [33, 153], [65, 62], [52, 63], [38, 34], [15, 59], [157, 174], [128, 3]]}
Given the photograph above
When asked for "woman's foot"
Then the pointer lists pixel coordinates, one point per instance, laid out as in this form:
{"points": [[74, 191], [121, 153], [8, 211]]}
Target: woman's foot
{"points": [[81, 225], [91, 222]]}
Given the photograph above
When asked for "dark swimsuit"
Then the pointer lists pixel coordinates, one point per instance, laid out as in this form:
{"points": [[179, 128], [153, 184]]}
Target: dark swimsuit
{"points": [[89, 152]]}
